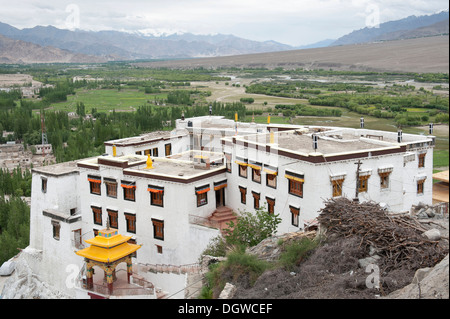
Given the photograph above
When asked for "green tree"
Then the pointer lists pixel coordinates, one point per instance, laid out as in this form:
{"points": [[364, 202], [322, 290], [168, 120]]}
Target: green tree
{"points": [[14, 227], [250, 229]]}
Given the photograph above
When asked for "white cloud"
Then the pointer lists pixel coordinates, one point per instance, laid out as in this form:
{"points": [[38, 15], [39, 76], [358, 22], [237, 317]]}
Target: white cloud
{"points": [[289, 21]]}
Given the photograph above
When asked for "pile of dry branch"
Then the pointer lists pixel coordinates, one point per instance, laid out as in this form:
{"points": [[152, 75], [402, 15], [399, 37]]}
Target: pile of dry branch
{"points": [[398, 239]]}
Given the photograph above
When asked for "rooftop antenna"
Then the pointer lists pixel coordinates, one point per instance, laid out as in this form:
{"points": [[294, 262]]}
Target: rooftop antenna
{"points": [[430, 128], [362, 122], [399, 136], [210, 110]]}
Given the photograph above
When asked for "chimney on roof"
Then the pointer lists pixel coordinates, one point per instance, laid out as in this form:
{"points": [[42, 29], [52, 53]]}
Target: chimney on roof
{"points": [[399, 136], [315, 141]]}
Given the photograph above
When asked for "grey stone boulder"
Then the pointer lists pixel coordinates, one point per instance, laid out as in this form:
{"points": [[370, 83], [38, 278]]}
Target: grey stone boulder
{"points": [[432, 234], [7, 268]]}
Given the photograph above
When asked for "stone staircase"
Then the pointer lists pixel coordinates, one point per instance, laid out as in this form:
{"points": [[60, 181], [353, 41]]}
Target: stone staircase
{"points": [[221, 216]]}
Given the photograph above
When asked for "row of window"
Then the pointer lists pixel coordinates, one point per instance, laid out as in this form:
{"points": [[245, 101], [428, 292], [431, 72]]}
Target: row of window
{"points": [[295, 211], [129, 219], [154, 151], [156, 192], [296, 181], [129, 190], [363, 184], [271, 174]]}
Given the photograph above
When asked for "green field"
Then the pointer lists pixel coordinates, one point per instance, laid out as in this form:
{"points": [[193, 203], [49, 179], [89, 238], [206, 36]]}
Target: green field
{"points": [[129, 99], [107, 100]]}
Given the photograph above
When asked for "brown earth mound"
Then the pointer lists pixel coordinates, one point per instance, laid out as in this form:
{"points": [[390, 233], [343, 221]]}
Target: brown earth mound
{"points": [[335, 270]]}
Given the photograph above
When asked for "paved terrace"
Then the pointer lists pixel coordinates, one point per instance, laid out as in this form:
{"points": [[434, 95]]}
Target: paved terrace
{"points": [[182, 167], [333, 141]]}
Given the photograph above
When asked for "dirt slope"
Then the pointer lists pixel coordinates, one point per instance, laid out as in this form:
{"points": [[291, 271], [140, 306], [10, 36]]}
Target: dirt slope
{"points": [[429, 54]]}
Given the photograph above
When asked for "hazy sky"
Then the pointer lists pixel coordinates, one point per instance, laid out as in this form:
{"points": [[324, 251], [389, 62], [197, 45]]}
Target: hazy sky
{"points": [[294, 22]]}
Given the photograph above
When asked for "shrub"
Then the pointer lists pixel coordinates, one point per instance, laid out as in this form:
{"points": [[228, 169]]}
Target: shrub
{"points": [[297, 251], [250, 229], [247, 100], [245, 268], [216, 247]]}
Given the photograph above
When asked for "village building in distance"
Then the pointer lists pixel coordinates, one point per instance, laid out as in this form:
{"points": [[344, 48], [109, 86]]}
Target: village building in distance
{"points": [[163, 196]]}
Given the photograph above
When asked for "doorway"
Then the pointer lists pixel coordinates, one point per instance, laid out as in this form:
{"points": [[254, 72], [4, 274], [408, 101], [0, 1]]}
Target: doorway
{"points": [[220, 197]]}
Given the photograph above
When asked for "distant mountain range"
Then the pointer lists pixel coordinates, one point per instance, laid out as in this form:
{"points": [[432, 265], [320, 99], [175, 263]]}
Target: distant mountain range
{"points": [[49, 44], [410, 27], [115, 45], [17, 51]]}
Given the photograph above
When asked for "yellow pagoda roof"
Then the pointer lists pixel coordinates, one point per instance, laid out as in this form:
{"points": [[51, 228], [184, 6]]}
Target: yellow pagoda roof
{"points": [[108, 238], [108, 246], [108, 255]]}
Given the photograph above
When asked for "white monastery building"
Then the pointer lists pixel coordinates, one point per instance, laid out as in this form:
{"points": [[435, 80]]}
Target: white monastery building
{"points": [[172, 192]]}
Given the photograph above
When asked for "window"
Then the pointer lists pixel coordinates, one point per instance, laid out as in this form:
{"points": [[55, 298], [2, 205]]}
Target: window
{"points": [[363, 183], [337, 187], [159, 249], [94, 184], [158, 229], [56, 229], [202, 195], [420, 186], [97, 214], [256, 197], [168, 148], [111, 188], [157, 199], [295, 212], [113, 218], [155, 152], [243, 171], [228, 164], [44, 184], [243, 191], [422, 160], [156, 195], [202, 199], [243, 163], [131, 222], [256, 175], [271, 180], [147, 152], [270, 205], [129, 190], [73, 211], [296, 182], [384, 179]]}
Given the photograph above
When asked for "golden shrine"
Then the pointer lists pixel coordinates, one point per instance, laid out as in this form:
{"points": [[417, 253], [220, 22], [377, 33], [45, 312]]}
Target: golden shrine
{"points": [[107, 250]]}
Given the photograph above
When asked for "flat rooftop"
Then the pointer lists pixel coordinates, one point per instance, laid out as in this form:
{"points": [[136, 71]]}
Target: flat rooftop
{"points": [[181, 166], [333, 141], [58, 169], [143, 138], [219, 123]]}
